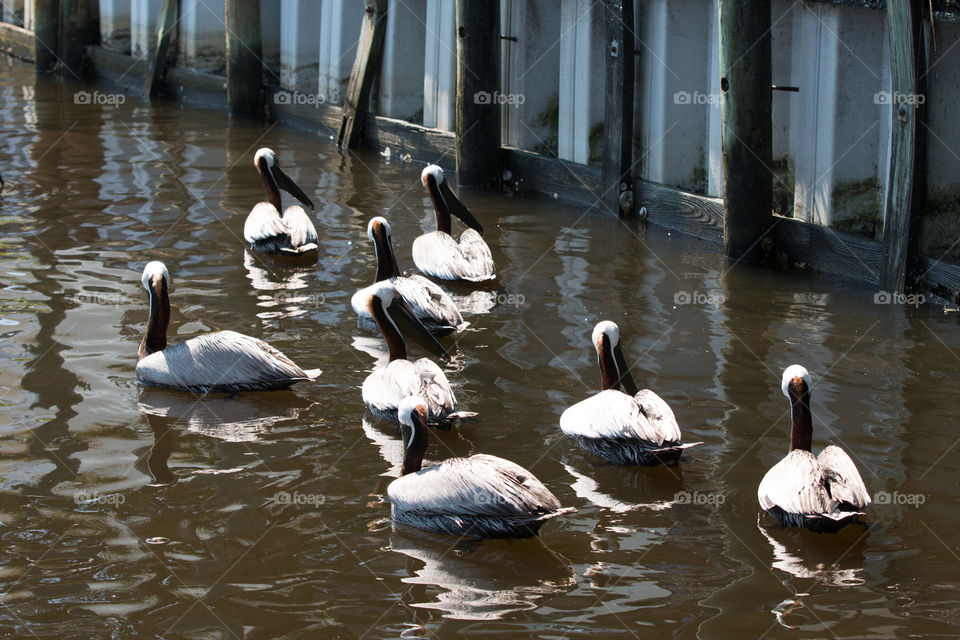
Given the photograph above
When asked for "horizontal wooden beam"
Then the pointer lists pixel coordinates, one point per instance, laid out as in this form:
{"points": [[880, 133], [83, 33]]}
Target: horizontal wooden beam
{"points": [[828, 251], [17, 42], [693, 214], [193, 87], [570, 181], [814, 246]]}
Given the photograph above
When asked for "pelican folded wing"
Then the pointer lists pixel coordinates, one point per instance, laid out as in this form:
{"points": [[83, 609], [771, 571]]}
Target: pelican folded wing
{"points": [[222, 361]]}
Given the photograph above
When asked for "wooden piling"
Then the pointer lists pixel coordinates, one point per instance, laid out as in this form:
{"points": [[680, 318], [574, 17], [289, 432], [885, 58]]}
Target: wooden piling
{"points": [[46, 35], [746, 127], [79, 28], [906, 193], [617, 162], [366, 67], [478, 93], [166, 23], [244, 58]]}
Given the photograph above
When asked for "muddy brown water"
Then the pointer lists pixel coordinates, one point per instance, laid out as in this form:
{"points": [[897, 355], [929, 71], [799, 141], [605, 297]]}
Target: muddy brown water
{"points": [[129, 513]]}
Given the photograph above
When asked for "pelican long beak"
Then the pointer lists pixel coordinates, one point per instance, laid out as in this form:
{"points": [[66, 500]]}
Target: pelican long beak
{"points": [[407, 323], [288, 185], [457, 207], [623, 371]]}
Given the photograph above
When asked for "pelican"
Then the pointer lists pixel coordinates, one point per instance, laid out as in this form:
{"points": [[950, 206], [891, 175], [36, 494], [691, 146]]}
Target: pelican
{"points": [[290, 234], [437, 254], [388, 385], [481, 496], [212, 362], [821, 493], [624, 427], [430, 304]]}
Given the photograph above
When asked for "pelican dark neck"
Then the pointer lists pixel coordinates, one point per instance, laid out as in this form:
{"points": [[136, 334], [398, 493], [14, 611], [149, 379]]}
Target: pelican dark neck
{"points": [[270, 184], [440, 207], [155, 338], [801, 430], [386, 261], [395, 344], [613, 370], [416, 444]]}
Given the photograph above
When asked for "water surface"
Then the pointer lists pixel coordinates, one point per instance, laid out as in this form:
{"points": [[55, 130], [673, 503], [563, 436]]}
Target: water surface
{"points": [[130, 513]]}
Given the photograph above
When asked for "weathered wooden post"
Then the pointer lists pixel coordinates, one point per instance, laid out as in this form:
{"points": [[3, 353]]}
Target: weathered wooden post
{"points": [[79, 28], [478, 93], [244, 58], [907, 181], [166, 23], [366, 67], [46, 34], [746, 125], [616, 185]]}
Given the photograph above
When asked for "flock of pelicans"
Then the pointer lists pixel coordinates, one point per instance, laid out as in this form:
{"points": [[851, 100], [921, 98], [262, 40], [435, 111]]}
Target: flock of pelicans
{"points": [[483, 495]]}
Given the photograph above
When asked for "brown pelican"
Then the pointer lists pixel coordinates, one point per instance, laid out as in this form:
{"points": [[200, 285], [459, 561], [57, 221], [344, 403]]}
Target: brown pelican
{"points": [[212, 362], [481, 496], [624, 427], [388, 385], [431, 305], [821, 493], [266, 229], [437, 254]]}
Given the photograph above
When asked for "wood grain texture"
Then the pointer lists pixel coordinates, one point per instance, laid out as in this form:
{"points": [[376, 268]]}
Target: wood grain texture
{"points": [[46, 19], [478, 77], [17, 42], [823, 249], [693, 214], [902, 208], [366, 67], [166, 24], [244, 58], [79, 28], [617, 154], [570, 181], [746, 126]]}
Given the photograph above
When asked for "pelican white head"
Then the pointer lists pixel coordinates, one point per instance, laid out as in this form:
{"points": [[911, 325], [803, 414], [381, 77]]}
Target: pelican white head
{"points": [[791, 372], [406, 408], [384, 291], [609, 329], [382, 221], [153, 269], [432, 170], [266, 154]]}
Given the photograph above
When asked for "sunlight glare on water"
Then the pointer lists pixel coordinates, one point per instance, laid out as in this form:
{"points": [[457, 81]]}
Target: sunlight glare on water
{"points": [[135, 512]]}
